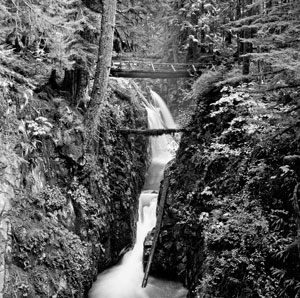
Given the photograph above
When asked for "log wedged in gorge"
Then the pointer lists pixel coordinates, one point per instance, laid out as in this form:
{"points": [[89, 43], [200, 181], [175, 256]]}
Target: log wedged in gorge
{"points": [[152, 132]]}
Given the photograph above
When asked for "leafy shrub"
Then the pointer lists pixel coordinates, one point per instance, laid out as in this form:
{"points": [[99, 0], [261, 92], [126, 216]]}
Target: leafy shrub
{"points": [[38, 127], [52, 199]]}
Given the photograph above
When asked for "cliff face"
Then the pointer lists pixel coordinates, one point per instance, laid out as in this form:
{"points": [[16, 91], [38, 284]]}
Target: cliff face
{"points": [[230, 222], [68, 203]]}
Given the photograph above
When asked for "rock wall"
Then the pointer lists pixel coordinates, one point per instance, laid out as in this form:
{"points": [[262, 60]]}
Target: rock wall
{"points": [[10, 182], [230, 222], [73, 200]]}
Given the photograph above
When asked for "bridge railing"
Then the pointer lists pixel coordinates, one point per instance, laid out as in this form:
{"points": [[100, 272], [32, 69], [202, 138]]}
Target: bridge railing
{"points": [[157, 66]]}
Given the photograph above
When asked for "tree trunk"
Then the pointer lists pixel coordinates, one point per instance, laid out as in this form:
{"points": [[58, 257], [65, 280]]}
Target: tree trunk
{"points": [[246, 60], [76, 80], [175, 48], [239, 44], [103, 61]]}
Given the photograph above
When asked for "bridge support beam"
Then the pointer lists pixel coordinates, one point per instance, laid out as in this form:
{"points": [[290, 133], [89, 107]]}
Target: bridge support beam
{"points": [[152, 132], [153, 74]]}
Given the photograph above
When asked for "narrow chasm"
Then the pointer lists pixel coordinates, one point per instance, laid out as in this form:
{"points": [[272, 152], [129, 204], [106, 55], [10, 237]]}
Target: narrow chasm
{"points": [[104, 195], [127, 279], [71, 204]]}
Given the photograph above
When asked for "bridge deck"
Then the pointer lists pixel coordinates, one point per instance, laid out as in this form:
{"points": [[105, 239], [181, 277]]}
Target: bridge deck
{"points": [[146, 69]]}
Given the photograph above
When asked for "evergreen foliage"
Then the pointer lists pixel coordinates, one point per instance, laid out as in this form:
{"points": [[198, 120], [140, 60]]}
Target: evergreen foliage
{"points": [[270, 30], [233, 197], [50, 30], [135, 29], [242, 227]]}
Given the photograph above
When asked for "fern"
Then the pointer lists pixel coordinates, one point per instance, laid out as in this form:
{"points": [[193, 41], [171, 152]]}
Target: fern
{"points": [[51, 26]]}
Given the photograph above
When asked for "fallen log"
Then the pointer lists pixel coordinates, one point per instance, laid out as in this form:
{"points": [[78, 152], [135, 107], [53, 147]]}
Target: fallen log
{"points": [[136, 58], [297, 215], [119, 73], [161, 206], [6, 72], [152, 132]]}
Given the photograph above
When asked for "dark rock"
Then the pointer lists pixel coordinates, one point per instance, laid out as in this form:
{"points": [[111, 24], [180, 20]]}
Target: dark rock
{"points": [[293, 161], [77, 207]]}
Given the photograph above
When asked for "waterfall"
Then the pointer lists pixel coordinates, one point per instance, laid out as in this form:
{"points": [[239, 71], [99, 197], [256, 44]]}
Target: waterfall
{"points": [[164, 111], [159, 152], [125, 279]]}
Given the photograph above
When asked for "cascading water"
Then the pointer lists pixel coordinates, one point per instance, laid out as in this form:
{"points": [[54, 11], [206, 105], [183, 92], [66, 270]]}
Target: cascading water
{"points": [[164, 111], [159, 153], [125, 279]]}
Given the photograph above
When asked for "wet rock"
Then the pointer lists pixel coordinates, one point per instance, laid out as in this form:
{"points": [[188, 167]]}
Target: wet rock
{"points": [[94, 5], [72, 218], [38, 181], [72, 144], [67, 216], [293, 161], [10, 180]]}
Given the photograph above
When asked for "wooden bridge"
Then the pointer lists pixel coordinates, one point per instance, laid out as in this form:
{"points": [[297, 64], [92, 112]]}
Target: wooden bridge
{"points": [[155, 70]]}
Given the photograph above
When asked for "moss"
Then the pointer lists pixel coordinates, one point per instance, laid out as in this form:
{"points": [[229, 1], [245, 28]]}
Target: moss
{"points": [[75, 210], [229, 224]]}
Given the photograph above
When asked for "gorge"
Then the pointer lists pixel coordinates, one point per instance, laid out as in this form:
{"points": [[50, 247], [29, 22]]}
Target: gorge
{"points": [[125, 279], [82, 169]]}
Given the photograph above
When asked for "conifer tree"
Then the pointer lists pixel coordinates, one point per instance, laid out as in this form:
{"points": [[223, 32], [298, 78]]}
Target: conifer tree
{"points": [[135, 29], [270, 29], [189, 26], [103, 61], [63, 32]]}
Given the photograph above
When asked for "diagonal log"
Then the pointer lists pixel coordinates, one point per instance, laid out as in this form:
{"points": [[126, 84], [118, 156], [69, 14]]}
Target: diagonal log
{"points": [[161, 206], [297, 214]]}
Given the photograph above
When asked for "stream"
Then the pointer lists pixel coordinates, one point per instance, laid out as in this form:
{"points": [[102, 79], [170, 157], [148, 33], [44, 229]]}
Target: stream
{"points": [[125, 279]]}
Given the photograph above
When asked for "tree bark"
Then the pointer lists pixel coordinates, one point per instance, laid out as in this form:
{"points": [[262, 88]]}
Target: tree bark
{"points": [[152, 132], [297, 215], [162, 201], [246, 49], [154, 74], [239, 44], [103, 60], [175, 47]]}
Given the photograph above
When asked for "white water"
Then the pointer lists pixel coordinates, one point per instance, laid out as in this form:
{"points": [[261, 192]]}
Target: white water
{"points": [[125, 279], [164, 111], [159, 152]]}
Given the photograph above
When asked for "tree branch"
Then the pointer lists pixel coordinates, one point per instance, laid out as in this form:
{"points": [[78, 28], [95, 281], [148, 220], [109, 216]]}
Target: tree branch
{"points": [[286, 129], [296, 208], [283, 87]]}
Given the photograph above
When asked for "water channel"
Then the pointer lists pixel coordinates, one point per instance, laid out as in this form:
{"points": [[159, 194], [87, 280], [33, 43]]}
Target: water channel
{"points": [[125, 279]]}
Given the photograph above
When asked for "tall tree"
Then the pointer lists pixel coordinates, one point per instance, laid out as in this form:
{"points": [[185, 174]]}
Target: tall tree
{"points": [[103, 61], [83, 51], [64, 32], [136, 30], [269, 33]]}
